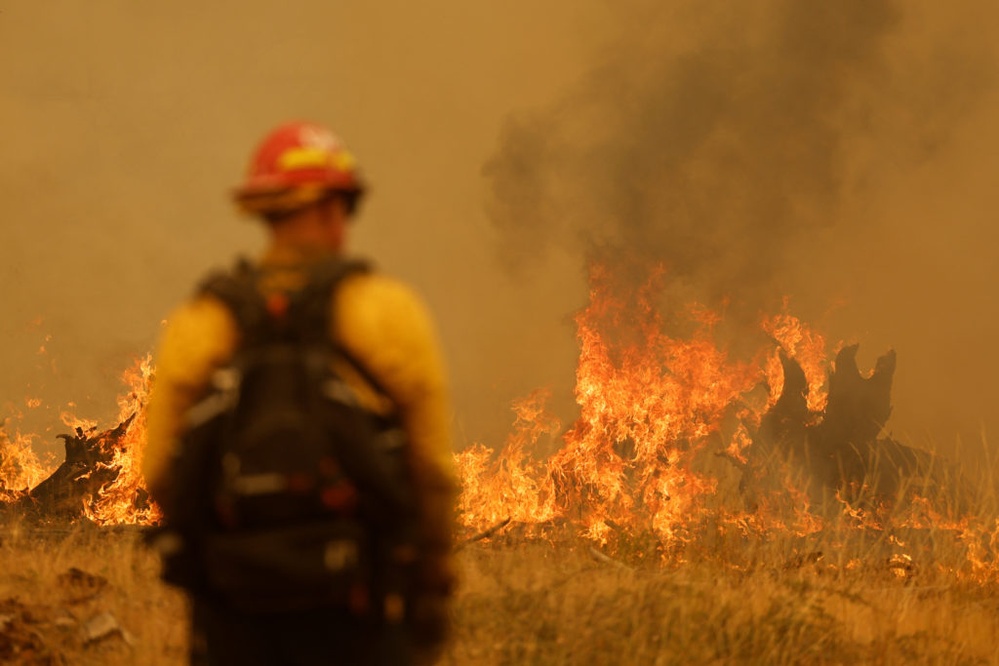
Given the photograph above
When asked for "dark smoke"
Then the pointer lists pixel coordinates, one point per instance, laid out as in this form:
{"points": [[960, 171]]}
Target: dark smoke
{"points": [[715, 160]]}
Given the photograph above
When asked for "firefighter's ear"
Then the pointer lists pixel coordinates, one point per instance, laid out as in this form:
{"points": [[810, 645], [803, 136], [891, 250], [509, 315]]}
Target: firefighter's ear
{"points": [[340, 204]]}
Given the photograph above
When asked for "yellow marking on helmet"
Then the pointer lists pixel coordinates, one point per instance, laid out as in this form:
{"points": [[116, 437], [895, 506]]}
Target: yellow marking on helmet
{"points": [[343, 161], [306, 157]]}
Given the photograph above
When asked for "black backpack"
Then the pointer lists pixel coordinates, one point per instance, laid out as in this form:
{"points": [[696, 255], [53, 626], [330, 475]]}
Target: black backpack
{"points": [[287, 493]]}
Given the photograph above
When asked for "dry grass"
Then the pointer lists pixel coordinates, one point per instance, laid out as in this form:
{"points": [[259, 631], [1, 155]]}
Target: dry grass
{"points": [[54, 581], [536, 605], [524, 602]]}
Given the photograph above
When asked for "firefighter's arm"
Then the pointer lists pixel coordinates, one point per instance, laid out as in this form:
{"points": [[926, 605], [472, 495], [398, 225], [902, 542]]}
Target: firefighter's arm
{"points": [[389, 331], [199, 337]]}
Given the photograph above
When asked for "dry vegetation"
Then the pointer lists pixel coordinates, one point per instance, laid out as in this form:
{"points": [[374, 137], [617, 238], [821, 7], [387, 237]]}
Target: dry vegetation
{"points": [[839, 597], [57, 587], [537, 605]]}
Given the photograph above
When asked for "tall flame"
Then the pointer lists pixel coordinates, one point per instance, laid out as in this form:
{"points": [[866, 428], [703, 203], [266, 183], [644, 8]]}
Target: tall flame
{"points": [[647, 407], [515, 486], [125, 500], [20, 467], [805, 346], [648, 403]]}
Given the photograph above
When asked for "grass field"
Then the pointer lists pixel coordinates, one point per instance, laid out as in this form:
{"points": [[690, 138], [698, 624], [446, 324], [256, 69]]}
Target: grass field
{"points": [[91, 596]]}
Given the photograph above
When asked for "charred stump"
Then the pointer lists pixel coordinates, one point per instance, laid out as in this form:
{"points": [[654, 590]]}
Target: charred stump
{"points": [[841, 450], [88, 467]]}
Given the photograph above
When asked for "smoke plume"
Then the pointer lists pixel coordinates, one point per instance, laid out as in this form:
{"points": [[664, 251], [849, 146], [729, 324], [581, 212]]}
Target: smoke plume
{"points": [[720, 153]]}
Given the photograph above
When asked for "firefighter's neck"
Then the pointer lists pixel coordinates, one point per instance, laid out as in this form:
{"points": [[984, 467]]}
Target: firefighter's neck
{"points": [[317, 229]]}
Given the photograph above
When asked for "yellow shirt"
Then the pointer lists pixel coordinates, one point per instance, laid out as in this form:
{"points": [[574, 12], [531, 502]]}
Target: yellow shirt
{"points": [[381, 323]]}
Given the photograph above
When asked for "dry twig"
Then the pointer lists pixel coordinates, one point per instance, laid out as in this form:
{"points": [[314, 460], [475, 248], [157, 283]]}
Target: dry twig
{"points": [[485, 534], [600, 557]]}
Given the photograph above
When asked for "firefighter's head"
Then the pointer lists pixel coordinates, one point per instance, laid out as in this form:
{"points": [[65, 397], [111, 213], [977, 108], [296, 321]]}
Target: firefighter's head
{"points": [[301, 170]]}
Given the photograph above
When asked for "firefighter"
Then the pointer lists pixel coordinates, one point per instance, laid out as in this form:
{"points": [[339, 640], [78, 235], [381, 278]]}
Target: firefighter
{"points": [[305, 186]]}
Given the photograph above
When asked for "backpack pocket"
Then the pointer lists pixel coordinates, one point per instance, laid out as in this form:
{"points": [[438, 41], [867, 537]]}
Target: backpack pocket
{"points": [[291, 567]]}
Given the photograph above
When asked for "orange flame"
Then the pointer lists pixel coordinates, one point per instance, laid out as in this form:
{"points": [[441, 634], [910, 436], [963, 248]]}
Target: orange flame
{"points": [[116, 502], [807, 347], [512, 486], [649, 404], [20, 467], [121, 501], [651, 407]]}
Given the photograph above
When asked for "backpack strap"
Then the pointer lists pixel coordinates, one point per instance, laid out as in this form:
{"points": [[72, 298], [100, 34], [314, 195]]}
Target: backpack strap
{"points": [[237, 290], [311, 308], [317, 314]]}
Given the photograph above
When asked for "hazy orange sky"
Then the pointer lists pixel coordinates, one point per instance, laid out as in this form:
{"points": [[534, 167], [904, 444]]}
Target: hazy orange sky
{"points": [[844, 158]]}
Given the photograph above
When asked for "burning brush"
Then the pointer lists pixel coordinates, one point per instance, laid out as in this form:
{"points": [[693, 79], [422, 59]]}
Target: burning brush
{"points": [[676, 443], [99, 478]]}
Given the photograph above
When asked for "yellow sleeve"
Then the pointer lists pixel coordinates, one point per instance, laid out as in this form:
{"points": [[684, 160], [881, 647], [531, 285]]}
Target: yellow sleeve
{"points": [[200, 337], [386, 327]]}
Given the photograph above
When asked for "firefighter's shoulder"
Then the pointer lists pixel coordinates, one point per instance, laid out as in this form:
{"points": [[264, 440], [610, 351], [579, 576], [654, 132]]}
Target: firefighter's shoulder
{"points": [[386, 323], [199, 333], [380, 302]]}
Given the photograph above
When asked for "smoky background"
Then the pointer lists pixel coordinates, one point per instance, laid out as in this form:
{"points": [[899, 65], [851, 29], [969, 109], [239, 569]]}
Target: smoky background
{"points": [[841, 154], [835, 154]]}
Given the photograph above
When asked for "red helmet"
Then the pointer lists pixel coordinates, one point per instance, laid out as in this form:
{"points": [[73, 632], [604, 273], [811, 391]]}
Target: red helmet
{"points": [[295, 165]]}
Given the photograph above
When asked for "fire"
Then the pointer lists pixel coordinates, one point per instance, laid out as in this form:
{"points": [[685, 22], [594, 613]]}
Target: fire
{"points": [[805, 346], [20, 467], [116, 503], [655, 415], [649, 405], [665, 422], [120, 500], [515, 487], [647, 409]]}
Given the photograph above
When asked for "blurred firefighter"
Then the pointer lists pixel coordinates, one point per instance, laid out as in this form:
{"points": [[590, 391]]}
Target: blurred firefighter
{"points": [[306, 187]]}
